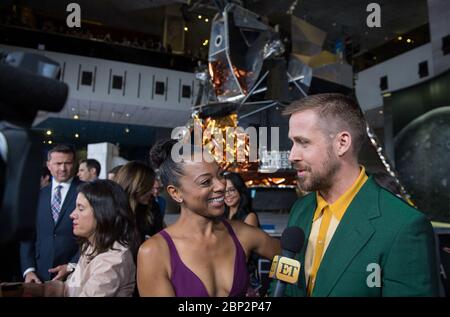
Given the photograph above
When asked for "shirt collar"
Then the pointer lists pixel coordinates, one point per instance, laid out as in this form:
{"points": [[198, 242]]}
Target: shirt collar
{"points": [[63, 184], [339, 207]]}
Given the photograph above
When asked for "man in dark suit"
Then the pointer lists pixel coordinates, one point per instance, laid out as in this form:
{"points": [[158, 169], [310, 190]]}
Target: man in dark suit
{"points": [[54, 247], [361, 239]]}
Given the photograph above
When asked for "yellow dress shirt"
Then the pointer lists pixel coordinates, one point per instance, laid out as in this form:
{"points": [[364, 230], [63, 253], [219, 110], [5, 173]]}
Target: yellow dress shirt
{"points": [[325, 222]]}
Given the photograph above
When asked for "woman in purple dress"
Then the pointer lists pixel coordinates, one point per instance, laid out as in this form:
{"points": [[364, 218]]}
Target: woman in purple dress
{"points": [[201, 254]]}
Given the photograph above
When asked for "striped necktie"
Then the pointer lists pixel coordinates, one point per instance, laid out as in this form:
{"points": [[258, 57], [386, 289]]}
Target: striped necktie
{"points": [[56, 203]]}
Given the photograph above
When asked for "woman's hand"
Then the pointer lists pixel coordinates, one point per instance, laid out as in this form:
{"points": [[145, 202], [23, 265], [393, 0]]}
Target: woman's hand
{"points": [[61, 271]]}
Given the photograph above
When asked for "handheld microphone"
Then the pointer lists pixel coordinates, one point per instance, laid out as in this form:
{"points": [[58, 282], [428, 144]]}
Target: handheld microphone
{"points": [[285, 269]]}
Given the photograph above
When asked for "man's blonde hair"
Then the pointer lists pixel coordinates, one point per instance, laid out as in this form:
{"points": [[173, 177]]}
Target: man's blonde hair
{"points": [[336, 113]]}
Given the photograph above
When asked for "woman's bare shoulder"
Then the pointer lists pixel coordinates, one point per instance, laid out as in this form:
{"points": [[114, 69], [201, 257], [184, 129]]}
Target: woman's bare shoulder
{"points": [[239, 225], [252, 219], [154, 246], [242, 230]]}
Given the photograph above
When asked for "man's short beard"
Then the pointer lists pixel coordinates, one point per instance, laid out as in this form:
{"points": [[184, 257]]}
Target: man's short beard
{"points": [[322, 180]]}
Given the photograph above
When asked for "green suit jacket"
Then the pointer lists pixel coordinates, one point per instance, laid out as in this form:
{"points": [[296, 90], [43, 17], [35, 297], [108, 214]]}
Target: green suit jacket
{"points": [[379, 234]]}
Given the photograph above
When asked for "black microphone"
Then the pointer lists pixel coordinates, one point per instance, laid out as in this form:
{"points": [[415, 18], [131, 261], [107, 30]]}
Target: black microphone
{"points": [[285, 269]]}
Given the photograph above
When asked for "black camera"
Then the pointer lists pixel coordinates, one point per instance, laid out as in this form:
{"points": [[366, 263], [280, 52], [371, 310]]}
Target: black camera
{"points": [[28, 83]]}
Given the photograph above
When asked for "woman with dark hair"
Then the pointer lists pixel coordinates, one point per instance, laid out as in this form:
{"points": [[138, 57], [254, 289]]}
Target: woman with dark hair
{"points": [[238, 206], [201, 254], [137, 179], [103, 221], [238, 203]]}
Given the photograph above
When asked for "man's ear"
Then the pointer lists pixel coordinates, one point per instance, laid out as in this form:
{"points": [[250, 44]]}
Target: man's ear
{"points": [[343, 143], [175, 193]]}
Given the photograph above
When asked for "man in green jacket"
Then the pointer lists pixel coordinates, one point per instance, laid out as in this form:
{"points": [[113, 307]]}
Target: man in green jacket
{"points": [[362, 240]]}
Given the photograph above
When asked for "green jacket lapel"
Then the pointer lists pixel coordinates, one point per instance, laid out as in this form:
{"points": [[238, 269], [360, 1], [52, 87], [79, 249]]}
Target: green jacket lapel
{"points": [[303, 219], [351, 235]]}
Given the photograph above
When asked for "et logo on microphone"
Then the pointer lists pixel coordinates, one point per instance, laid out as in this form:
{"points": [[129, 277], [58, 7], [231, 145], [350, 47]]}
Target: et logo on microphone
{"points": [[285, 269]]}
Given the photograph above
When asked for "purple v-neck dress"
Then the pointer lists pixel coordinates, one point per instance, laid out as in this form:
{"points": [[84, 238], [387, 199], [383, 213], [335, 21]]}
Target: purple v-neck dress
{"points": [[187, 284]]}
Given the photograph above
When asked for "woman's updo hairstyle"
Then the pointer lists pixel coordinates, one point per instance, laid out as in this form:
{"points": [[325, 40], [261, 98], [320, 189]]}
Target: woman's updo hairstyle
{"points": [[161, 159]]}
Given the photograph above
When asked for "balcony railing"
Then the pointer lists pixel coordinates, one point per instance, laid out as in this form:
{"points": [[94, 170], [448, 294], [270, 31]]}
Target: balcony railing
{"points": [[36, 39]]}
